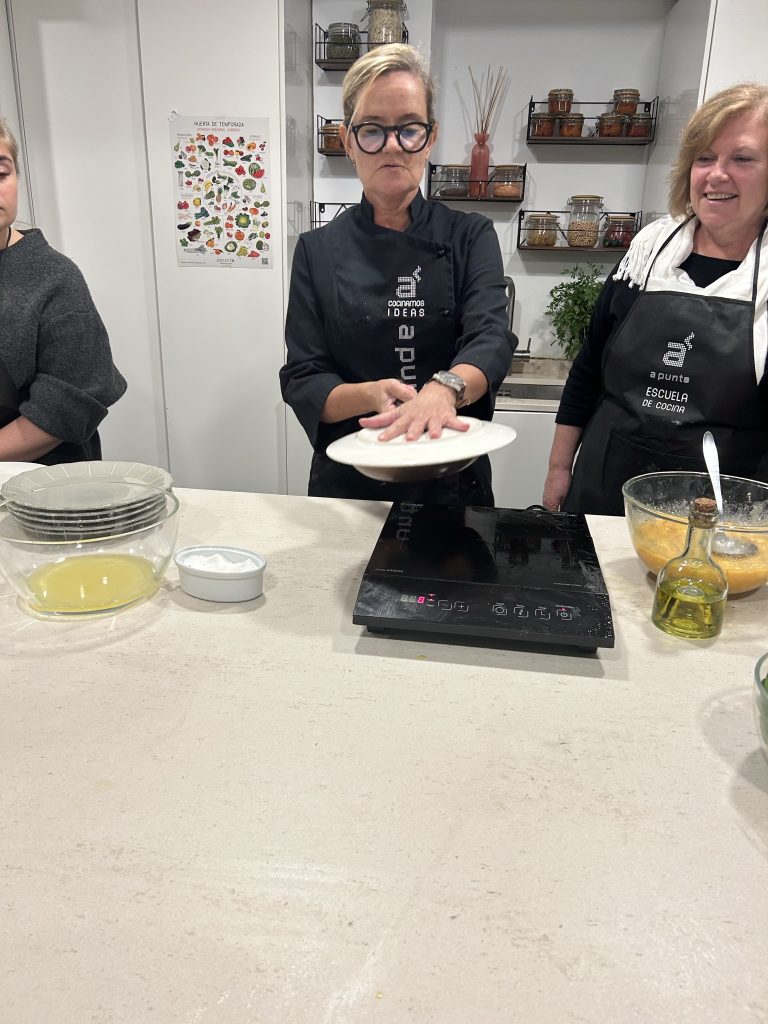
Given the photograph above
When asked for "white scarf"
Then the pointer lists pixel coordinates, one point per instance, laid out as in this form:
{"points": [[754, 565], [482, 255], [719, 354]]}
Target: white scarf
{"points": [[666, 274]]}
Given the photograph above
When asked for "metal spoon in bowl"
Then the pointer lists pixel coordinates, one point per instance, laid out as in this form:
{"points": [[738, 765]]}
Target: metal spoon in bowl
{"points": [[723, 544]]}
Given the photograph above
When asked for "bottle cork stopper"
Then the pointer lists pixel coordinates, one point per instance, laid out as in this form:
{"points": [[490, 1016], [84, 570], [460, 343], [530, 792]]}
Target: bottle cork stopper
{"points": [[703, 512]]}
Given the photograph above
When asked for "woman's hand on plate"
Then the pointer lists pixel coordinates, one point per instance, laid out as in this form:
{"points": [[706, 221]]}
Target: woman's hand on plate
{"points": [[433, 408], [389, 393]]}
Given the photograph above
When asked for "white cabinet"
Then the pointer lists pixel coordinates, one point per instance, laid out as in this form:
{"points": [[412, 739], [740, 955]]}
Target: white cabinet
{"points": [[519, 469]]}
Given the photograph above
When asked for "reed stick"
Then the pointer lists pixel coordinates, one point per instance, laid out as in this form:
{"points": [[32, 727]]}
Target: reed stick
{"points": [[487, 95]]}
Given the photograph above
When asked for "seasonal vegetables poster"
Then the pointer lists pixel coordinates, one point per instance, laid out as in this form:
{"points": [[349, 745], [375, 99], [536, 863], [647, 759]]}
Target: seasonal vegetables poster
{"points": [[222, 203]]}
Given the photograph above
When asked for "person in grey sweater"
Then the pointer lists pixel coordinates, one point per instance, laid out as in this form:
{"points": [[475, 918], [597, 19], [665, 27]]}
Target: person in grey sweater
{"points": [[57, 377]]}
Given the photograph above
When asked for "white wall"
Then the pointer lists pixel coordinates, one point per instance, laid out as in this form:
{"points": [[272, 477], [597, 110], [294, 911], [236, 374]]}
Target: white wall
{"points": [[10, 111], [681, 83], [80, 91], [739, 50], [299, 163], [221, 329], [593, 47]]}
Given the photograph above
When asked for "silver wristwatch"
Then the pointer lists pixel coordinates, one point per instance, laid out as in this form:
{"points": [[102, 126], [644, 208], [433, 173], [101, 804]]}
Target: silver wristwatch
{"points": [[453, 381]]}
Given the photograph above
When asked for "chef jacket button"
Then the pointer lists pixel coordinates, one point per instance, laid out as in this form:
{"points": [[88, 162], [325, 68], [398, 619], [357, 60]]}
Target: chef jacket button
{"points": [[445, 311]]}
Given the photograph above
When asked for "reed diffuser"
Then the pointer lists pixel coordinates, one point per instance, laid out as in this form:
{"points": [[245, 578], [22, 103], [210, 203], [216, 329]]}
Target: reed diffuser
{"points": [[487, 96]]}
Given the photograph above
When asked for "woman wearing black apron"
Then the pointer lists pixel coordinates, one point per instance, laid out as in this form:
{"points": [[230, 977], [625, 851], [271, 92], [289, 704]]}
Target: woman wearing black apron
{"points": [[678, 341], [397, 310]]}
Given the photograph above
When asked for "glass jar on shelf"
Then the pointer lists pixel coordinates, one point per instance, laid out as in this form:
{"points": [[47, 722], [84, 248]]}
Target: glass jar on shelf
{"points": [[330, 140], [625, 100], [619, 230], [584, 221], [571, 126], [507, 181], [343, 41], [639, 126], [542, 125], [541, 230], [611, 126], [559, 101], [451, 181], [385, 22]]}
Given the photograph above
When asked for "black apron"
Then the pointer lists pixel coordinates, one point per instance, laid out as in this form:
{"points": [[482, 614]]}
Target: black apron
{"points": [[396, 308], [679, 364]]}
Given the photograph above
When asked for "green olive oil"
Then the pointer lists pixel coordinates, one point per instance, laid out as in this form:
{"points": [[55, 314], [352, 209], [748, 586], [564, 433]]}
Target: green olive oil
{"points": [[691, 589]]}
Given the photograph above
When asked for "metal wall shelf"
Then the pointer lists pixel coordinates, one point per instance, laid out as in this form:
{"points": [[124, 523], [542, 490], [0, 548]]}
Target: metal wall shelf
{"points": [[647, 106], [561, 234], [324, 213], [435, 182], [342, 63], [322, 138]]}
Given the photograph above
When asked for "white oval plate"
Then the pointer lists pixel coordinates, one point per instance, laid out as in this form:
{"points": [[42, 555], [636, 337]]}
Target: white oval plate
{"points": [[8, 470], [125, 472], [364, 448]]}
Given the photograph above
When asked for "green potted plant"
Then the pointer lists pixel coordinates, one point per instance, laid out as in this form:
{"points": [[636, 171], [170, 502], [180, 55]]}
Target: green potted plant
{"points": [[570, 307]]}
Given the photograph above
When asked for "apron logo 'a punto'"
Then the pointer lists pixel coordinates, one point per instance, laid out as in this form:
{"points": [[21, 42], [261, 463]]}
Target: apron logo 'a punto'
{"points": [[677, 351]]}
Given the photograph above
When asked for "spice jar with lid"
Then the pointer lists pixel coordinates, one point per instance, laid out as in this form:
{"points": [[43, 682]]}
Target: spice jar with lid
{"points": [[452, 181], [619, 231], [611, 125], [385, 22], [542, 125], [571, 126], [343, 41], [559, 101], [639, 126], [541, 230], [584, 221], [330, 140], [507, 181], [625, 100]]}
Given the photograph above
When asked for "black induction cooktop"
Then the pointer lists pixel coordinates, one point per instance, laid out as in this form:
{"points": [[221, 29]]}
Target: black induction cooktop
{"points": [[517, 575]]}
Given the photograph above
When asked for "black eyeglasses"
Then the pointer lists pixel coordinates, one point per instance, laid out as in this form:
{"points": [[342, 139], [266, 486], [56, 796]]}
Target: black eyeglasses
{"points": [[372, 137]]}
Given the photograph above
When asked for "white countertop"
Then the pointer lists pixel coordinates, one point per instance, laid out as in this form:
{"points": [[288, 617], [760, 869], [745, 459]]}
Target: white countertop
{"points": [[223, 814]]}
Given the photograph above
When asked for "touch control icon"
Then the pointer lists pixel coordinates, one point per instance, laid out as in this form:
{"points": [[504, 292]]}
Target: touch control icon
{"points": [[499, 608]]}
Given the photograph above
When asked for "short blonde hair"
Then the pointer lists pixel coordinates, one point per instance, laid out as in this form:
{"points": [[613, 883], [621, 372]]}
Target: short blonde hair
{"points": [[8, 139], [381, 61], [705, 125]]}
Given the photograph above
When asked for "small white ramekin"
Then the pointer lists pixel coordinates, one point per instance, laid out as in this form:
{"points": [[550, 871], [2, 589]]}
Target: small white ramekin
{"points": [[220, 586]]}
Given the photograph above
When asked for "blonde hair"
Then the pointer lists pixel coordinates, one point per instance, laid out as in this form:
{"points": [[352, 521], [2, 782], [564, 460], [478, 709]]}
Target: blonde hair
{"points": [[381, 61], [705, 125], [8, 139]]}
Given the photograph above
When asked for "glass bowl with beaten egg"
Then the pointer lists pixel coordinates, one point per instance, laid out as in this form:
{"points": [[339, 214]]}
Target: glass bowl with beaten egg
{"points": [[85, 549], [656, 507]]}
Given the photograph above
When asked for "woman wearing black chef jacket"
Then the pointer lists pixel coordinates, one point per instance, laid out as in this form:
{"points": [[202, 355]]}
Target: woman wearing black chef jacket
{"points": [[397, 308], [678, 340]]}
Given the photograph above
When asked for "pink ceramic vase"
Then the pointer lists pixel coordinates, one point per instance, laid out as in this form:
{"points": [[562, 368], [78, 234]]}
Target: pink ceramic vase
{"points": [[478, 166]]}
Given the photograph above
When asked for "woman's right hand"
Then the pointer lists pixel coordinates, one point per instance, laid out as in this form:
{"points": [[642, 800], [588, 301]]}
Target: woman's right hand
{"points": [[387, 393], [556, 487]]}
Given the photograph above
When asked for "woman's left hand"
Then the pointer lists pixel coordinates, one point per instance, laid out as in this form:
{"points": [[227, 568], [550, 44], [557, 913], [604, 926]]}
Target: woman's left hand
{"points": [[433, 408]]}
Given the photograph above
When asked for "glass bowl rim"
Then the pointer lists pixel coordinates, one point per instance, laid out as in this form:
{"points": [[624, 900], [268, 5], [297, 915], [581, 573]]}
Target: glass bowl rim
{"points": [[24, 542], [673, 518], [761, 671]]}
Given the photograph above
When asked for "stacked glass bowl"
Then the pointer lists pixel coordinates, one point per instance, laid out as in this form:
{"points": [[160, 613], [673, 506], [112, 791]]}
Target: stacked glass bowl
{"points": [[86, 538]]}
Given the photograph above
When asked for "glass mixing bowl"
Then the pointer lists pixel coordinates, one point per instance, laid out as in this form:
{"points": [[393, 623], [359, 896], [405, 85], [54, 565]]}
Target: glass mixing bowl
{"points": [[760, 702], [656, 506], [90, 575]]}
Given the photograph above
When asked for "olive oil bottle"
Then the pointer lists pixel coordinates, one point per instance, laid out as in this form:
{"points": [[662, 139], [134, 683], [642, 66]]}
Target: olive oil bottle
{"points": [[691, 589]]}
